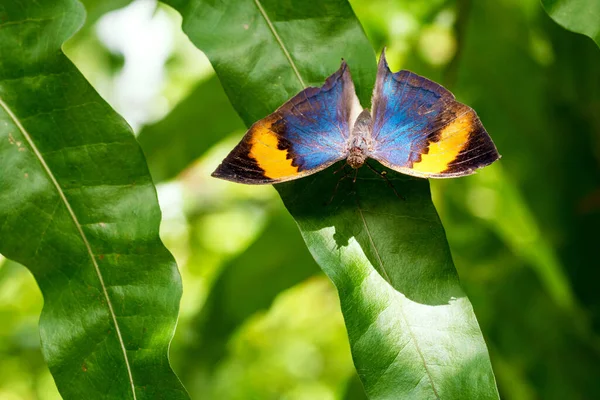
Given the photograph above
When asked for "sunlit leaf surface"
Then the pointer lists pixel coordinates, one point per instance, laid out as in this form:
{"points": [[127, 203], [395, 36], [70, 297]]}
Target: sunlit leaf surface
{"points": [[78, 208]]}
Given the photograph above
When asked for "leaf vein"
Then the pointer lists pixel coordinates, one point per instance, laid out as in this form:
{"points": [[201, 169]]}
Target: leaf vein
{"points": [[402, 347]]}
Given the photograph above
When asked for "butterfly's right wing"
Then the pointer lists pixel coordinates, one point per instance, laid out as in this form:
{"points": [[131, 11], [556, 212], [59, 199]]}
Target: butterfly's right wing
{"points": [[420, 129], [305, 135]]}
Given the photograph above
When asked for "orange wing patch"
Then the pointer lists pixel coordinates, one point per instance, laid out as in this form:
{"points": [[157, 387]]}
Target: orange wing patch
{"points": [[264, 149], [453, 138]]}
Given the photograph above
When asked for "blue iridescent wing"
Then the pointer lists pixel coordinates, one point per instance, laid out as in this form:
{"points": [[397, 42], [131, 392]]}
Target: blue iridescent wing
{"points": [[420, 129], [305, 135]]}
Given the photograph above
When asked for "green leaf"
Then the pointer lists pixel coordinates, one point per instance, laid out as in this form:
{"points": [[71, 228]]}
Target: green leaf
{"points": [[196, 124], [581, 16], [412, 330], [78, 208]]}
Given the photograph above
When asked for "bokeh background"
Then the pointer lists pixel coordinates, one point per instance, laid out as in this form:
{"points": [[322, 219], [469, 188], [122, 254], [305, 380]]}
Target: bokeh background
{"points": [[258, 320]]}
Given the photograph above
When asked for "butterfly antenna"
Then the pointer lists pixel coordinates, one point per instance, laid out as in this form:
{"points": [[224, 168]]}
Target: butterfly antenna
{"points": [[383, 174]]}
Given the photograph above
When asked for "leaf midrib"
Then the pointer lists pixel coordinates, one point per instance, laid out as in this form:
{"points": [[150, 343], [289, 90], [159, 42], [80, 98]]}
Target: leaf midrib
{"points": [[280, 42], [77, 224], [401, 306]]}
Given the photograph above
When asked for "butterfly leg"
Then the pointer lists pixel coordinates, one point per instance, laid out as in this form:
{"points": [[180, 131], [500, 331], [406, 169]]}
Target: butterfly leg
{"points": [[337, 185], [383, 174], [343, 167]]}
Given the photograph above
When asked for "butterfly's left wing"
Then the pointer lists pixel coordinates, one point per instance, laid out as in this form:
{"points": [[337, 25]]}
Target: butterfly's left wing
{"points": [[420, 129], [305, 135]]}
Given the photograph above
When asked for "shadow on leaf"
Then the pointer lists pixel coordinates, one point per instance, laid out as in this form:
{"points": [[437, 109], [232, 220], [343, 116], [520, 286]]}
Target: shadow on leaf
{"points": [[403, 239]]}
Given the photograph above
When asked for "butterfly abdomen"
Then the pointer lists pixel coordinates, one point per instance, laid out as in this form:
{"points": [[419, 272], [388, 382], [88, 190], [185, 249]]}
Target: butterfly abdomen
{"points": [[356, 158]]}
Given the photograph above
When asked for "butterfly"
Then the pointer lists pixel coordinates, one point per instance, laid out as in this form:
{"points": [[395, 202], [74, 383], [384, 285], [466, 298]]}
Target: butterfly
{"points": [[416, 128]]}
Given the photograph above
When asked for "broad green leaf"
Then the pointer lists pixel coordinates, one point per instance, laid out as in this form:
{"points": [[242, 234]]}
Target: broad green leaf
{"points": [[581, 16], [78, 208], [196, 124], [412, 330]]}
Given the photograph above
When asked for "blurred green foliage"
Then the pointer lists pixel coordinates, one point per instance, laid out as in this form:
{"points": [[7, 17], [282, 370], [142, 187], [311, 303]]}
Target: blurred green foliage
{"points": [[523, 233]]}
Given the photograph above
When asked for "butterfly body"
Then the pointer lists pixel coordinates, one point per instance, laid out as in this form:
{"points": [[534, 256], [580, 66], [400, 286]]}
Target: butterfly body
{"points": [[359, 143], [415, 127]]}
